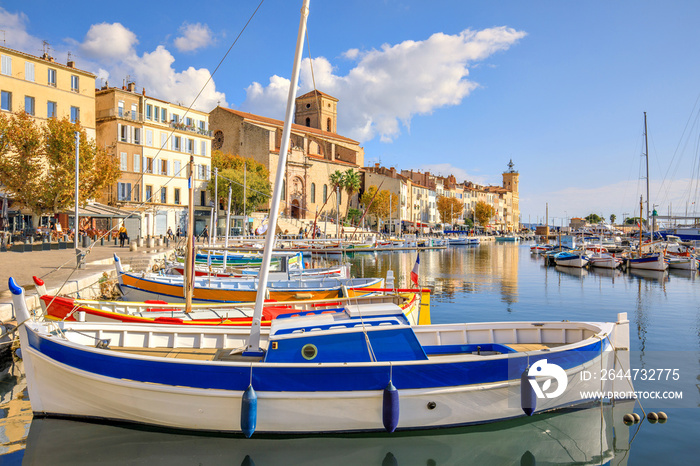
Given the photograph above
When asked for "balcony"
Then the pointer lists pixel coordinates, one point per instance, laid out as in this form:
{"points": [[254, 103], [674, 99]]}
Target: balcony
{"points": [[115, 113], [191, 128]]}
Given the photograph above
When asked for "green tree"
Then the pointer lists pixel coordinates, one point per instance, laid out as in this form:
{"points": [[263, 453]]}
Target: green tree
{"points": [[612, 218], [634, 221], [37, 164], [380, 204], [449, 208], [483, 213], [351, 183], [593, 218], [231, 168]]}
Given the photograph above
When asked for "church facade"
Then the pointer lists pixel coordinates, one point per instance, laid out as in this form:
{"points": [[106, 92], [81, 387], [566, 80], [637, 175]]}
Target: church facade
{"points": [[316, 151]]}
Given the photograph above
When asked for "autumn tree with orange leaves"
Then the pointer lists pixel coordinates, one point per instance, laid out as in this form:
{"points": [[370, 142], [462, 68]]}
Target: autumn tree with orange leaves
{"points": [[37, 164]]}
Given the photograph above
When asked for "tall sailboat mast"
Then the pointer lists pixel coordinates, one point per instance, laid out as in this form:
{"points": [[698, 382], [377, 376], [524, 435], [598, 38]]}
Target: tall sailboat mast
{"points": [[646, 155], [253, 344]]}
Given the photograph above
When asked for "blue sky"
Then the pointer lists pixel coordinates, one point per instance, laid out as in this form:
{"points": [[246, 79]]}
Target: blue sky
{"points": [[559, 87]]}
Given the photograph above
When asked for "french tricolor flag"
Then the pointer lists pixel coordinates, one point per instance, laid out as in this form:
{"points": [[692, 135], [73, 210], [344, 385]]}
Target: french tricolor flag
{"points": [[414, 272]]}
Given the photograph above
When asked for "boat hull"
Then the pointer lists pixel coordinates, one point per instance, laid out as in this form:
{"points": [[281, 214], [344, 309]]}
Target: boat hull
{"points": [[67, 379], [655, 262]]}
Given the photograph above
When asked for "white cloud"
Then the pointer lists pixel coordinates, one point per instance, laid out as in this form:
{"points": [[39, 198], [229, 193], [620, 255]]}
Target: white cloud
{"points": [[194, 36], [389, 86], [266, 100], [447, 169], [15, 35], [108, 42], [617, 198], [154, 71]]}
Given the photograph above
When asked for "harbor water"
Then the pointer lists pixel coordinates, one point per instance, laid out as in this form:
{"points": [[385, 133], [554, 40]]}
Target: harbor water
{"points": [[490, 282]]}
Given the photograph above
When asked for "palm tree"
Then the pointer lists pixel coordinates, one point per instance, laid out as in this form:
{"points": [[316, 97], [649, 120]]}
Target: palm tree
{"points": [[351, 183], [336, 181]]}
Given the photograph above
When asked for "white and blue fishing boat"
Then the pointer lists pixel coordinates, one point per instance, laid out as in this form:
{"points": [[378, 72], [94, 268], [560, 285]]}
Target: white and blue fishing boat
{"points": [[360, 368], [571, 259]]}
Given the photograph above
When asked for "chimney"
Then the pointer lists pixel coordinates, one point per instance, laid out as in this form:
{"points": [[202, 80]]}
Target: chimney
{"points": [[376, 164], [131, 86], [70, 64], [143, 91]]}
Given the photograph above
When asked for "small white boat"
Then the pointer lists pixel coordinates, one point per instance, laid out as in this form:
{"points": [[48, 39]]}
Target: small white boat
{"points": [[571, 259], [682, 262], [654, 261], [604, 260]]}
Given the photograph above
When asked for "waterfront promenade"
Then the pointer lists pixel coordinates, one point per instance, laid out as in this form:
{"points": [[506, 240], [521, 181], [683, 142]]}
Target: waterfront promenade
{"points": [[58, 269]]}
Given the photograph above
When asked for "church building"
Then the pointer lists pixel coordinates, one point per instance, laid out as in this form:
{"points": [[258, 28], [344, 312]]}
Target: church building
{"points": [[316, 151]]}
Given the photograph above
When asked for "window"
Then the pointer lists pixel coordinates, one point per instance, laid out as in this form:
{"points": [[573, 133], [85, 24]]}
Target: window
{"points": [[190, 146], [134, 111], [163, 167], [74, 83], [120, 108], [328, 125], [163, 140], [51, 79], [156, 113], [6, 101], [137, 163], [163, 195], [177, 195], [149, 192], [50, 109], [124, 191], [29, 104], [136, 193], [308, 122], [123, 161], [149, 165], [123, 133], [325, 193], [177, 168], [74, 114], [6, 68], [164, 115], [202, 125], [149, 112], [149, 137], [313, 192], [137, 135], [176, 118], [29, 71], [188, 121], [203, 148], [176, 143]]}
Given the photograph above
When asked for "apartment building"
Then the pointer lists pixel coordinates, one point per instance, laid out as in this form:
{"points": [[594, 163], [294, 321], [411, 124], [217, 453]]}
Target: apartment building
{"points": [[44, 88], [153, 140], [398, 185]]}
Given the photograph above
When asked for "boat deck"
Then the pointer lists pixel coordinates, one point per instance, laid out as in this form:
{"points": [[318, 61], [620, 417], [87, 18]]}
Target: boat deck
{"points": [[216, 354]]}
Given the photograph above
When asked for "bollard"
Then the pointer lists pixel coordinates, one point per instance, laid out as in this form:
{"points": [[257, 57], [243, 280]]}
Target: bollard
{"points": [[85, 241], [133, 246], [102, 241]]}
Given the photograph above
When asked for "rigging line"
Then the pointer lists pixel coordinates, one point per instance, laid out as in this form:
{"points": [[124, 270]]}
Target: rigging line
{"points": [[685, 129], [211, 76], [313, 81]]}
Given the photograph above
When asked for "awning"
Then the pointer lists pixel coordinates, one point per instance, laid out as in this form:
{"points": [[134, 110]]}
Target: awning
{"points": [[97, 210]]}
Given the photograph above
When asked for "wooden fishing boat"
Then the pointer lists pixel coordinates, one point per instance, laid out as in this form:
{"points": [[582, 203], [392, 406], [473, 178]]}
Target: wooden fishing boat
{"points": [[314, 371], [170, 288], [414, 303]]}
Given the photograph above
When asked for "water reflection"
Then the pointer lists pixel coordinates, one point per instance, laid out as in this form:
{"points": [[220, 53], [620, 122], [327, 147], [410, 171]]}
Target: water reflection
{"points": [[586, 436]]}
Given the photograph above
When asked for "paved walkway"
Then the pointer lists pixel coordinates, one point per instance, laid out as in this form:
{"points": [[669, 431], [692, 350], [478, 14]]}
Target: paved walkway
{"points": [[58, 267]]}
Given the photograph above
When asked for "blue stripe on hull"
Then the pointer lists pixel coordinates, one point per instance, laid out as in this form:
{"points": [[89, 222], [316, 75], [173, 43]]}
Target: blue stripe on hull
{"points": [[311, 377]]}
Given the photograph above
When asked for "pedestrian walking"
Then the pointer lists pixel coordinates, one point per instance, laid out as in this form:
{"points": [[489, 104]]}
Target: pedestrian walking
{"points": [[123, 235], [170, 233], [205, 233], [178, 233]]}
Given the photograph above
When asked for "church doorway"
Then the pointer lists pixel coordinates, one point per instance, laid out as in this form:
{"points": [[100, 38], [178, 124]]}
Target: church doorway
{"points": [[296, 210]]}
